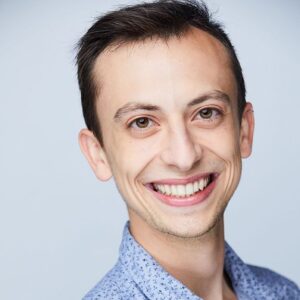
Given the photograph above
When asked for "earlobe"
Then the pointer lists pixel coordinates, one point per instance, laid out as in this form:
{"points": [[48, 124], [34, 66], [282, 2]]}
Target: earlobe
{"points": [[95, 154], [246, 131]]}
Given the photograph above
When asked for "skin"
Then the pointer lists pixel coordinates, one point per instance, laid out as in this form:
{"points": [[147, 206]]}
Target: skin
{"points": [[175, 142]]}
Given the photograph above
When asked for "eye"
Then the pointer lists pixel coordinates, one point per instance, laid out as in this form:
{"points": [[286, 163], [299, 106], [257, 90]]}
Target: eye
{"points": [[209, 113], [141, 123]]}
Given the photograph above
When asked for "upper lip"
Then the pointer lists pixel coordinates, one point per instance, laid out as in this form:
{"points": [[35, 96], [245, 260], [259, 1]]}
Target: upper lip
{"points": [[187, 180]]}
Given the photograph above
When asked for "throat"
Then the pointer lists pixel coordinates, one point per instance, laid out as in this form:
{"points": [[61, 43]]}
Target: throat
{"points": [[198, 265]]}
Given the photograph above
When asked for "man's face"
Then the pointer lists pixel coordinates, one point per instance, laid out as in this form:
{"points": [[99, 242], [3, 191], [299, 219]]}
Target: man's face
{"points": [[172, 139]]}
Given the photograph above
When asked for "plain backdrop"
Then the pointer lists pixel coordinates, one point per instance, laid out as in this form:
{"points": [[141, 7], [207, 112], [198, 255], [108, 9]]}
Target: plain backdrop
{"points": [[60, 228]]}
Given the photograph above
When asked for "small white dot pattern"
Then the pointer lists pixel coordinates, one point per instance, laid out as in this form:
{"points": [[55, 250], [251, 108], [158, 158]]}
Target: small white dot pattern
{"points": [[138, 276]]}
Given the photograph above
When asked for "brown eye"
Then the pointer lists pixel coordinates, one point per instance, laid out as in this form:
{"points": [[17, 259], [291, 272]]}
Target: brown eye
{"points": [[141, 123], [209, 114], [206, 113]]}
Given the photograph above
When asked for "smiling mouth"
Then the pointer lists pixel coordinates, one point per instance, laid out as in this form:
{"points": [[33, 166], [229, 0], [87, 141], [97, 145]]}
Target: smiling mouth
{"points": [[184, 190]]}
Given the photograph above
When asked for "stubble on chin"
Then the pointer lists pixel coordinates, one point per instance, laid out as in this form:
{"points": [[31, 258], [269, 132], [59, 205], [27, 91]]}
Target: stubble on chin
{"points": [[195, 231]]}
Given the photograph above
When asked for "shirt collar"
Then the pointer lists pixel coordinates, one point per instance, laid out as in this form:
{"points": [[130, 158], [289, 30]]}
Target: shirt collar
{"points": [[246, 283]]}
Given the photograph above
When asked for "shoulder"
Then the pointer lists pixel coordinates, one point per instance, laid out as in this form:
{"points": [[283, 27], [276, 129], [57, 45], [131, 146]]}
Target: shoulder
{"points": [[276, 283], [115, 285], [106, 288]]}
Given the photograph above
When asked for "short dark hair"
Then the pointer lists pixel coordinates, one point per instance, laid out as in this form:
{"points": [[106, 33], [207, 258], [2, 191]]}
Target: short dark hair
{"points": [[162, 19]]}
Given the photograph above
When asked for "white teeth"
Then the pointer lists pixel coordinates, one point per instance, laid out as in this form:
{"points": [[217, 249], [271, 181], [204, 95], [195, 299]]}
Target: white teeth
{"points": [[182, 190], [162, 189], [173, 190], [201, 184], [196, 186], [168, 189], [189, 190]]}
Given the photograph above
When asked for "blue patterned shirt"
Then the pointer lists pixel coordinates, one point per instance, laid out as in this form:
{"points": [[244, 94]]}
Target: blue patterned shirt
{"points": [[138, 276]]}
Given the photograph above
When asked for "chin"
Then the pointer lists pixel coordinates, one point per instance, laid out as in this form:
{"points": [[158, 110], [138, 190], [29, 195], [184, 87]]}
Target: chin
{"points": [[188, 229], [185, 223]]}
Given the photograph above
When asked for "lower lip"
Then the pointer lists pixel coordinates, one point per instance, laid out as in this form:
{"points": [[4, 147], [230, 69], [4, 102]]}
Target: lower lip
{"points": [[197, 198]]}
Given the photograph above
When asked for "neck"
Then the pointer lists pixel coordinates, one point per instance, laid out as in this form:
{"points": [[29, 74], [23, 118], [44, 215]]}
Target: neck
{"points": [[197, 263]]}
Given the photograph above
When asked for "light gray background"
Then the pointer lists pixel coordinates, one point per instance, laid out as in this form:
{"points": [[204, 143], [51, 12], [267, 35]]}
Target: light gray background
{"points": [[59, 227]]}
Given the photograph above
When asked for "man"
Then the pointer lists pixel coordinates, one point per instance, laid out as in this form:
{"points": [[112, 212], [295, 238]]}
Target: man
{"points": [[163, 98]]}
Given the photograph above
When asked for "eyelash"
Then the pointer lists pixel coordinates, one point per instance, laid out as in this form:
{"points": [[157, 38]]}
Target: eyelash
{"points": [[130, 125], [218, 113]]}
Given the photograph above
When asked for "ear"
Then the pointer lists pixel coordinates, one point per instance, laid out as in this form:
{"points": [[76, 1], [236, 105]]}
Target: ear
{"points": [[95, 154], [246, 131]]}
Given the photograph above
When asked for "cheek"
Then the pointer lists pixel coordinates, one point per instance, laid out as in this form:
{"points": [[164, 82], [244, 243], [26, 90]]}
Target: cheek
{"points": [[128, 157], [223, 142], [226, 146]]}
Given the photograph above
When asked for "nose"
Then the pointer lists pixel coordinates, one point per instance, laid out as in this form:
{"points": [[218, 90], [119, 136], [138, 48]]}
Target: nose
{"points": [[181, 151]]}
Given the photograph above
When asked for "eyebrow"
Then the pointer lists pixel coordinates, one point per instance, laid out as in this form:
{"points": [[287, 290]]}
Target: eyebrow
{"points": [[216, 95], [134, 106]]}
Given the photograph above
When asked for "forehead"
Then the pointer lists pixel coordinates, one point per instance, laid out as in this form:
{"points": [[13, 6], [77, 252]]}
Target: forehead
{"points": [[162, 72]]}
